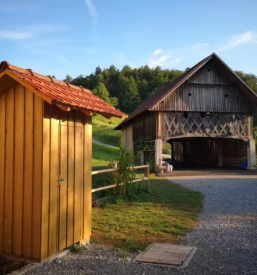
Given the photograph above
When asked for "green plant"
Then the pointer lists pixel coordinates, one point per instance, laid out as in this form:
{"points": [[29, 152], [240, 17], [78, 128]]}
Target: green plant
{"points": [[151, 162], [141, 144], [138, 158], [145, 144], [75, 248], [124, 175]]}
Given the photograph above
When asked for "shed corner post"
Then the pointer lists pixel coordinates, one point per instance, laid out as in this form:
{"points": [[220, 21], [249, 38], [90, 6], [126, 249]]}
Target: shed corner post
{"points": [[251, 154]]}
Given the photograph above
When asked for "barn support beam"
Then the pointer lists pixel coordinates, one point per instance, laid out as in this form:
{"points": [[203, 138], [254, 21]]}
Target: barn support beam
{"points": [[251, 154], [158, 151]]}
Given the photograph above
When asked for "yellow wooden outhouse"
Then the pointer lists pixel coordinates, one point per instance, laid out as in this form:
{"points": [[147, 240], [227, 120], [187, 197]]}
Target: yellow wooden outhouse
{"points": [[45, 162]]}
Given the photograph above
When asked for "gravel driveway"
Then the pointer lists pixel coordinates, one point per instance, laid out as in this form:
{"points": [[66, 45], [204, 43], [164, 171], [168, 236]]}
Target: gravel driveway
{"points": [[226, 237]]}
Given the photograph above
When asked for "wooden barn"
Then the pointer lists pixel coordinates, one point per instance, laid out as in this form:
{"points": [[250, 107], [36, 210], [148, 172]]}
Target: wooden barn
{"points": [[206, 115], [45, 162]]}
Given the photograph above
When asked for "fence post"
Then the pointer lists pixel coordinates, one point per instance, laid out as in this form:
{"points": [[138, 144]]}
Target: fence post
{"points": [[116, 167], [148, 175]]}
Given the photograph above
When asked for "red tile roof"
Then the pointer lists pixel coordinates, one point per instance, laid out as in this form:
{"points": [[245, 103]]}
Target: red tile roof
{"points": [[61, 92]]}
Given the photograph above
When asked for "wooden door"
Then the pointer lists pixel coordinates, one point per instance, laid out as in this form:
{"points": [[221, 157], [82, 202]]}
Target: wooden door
{"points": [[69, 185]]}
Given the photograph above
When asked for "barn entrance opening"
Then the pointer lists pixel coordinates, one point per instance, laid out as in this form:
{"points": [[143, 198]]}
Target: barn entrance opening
{"points": [[189, 153]]}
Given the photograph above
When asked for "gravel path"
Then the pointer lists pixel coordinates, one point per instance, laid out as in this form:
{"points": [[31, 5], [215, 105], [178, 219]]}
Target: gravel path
{"points": [[226, 237]]}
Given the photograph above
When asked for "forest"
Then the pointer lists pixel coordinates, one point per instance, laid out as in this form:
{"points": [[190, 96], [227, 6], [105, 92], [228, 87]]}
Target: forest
{"points": [[125, 89]]}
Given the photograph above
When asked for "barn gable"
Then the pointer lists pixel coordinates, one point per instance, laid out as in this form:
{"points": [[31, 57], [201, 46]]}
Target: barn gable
{"points": [[231, 91], [210, 89]]}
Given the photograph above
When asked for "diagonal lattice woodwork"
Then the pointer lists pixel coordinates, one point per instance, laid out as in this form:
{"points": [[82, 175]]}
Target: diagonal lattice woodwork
{"points": [[193, 124]]}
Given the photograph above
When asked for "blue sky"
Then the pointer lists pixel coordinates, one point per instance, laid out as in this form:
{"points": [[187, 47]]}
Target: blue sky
{"points": [[74, 36]]}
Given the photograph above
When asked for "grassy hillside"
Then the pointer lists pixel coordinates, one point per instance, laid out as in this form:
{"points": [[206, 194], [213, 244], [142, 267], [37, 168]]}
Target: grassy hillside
{"points": [[103, 131]]}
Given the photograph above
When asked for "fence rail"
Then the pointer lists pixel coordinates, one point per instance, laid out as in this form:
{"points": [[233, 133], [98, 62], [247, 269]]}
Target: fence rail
{"points": [[121, 184]]}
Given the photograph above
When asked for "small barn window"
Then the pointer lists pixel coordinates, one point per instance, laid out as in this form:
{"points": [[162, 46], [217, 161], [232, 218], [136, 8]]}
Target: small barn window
{"points": [[208, 69], [226, 95], [189, 94], [186, 114]]}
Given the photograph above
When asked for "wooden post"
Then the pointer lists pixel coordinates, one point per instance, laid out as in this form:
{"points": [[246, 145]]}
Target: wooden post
{"points": [[251, 154], [158, 151], [115, 167], [148, 175]]}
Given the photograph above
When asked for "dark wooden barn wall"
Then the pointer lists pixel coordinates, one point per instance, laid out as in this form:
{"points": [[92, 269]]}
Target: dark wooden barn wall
{"points": [[234, 152], [205, 151], [209, 90], [145, 126]]}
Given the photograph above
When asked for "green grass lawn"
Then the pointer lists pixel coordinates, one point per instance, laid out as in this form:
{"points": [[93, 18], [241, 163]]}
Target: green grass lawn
{"points": [[165, 215], [102, 155], [103, 130]]}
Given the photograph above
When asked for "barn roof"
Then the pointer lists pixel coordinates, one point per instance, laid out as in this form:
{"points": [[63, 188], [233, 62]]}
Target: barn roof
{"points": [[60, 93], [156, 98]]}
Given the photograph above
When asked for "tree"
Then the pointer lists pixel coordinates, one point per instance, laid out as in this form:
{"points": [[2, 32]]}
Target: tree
{"points": [[249, 79], [129, 97], [98, 70], [68, 78], [101, 91], [114, 101]]}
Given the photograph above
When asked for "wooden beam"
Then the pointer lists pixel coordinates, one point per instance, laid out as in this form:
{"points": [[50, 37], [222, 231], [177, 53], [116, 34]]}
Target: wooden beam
{"points": [[64, 108], [87, 113]]}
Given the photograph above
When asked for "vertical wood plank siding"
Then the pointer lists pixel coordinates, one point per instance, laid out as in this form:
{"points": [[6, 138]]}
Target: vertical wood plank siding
{"points": [[208, 90], [40, 143], [71, 177], [18, 170], [87, 178], [127, 137], [67, 152], [145, 126], [20, 190], [2, 167], [64, 186]]}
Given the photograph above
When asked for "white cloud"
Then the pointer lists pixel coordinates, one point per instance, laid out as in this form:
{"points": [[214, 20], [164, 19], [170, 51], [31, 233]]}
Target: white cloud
{"points": [[92, 10], [248, 37], [164, 60], [28, 33], [199, 46], [158, 51]]}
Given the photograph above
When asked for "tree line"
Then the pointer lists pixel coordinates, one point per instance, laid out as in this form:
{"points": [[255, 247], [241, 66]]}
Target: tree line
{"points": [[125, 89]]}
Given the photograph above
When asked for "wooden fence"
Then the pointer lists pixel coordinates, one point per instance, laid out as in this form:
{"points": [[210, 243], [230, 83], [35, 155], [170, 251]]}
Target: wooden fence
{"points": [[121, 184]]}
